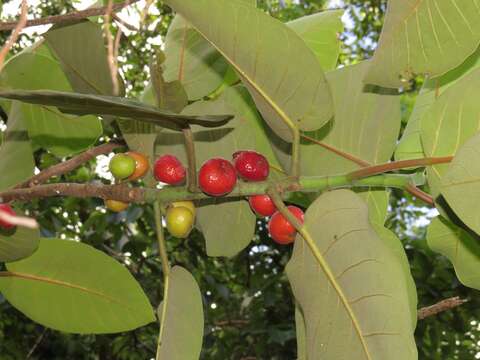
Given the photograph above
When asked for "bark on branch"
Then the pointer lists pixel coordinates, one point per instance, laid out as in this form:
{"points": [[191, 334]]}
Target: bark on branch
{"points": [[69, 165], [439, 307], [57, 19]]}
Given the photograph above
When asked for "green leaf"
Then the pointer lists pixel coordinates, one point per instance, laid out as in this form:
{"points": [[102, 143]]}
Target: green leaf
{"points": [[449, 123], [87, 71], [19, 244], [243, 132], [301, 337], [71, 287], [62, 135], [285, 92], [321, 33], [410, 146], [424, 37], [81, 104], [181, 333], [461, 248], [191, 60], [14, 150], [377, 202], [365, 290], [461, 183]]}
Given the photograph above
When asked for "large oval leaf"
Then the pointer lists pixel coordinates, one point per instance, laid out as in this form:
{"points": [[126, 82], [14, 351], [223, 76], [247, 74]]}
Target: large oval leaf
{"points": [[369, 314], [424, 37], [282, 74], [63, 135], [462, 249], [449, 123], [461, 184], [72, 287], [181, 334]]}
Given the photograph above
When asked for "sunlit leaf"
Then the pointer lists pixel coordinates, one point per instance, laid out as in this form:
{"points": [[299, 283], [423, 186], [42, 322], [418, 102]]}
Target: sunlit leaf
{"points": [[284, 92], [71, 287], [424, 37], [365, 291]]}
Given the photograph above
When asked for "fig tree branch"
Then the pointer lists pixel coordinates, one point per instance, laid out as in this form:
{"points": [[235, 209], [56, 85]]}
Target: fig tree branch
{"points": [[439, 307], [69, 165], [15, 34], [75, 15]]}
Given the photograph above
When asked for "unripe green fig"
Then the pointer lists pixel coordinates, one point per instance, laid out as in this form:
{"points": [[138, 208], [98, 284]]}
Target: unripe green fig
{"points": [[122, 166]]}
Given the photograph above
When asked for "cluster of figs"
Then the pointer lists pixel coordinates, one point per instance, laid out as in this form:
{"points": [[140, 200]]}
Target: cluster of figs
{"points": [[217, 177]]}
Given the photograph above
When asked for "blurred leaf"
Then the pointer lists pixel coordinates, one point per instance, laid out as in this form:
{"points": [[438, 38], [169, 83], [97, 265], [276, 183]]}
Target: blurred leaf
{"points": [[461, 183], [462, 249], [14, 150], [182, 323], [424, 37], [81, 104], [19, 244], [321, 33], [72, 287], [365, 290], [297, 93], [62, 135]]}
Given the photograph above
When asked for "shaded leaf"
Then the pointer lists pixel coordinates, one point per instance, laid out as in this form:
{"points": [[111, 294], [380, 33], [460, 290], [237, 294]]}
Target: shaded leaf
{"points": [[62, 135], [365, 291], [424, 37], [462, 249], [461, 183], [15, 149], [81, 104], [19, 244], [300, 329], [449, 123], [320, 32], [284, 92], [76, 289], [182, 326]]}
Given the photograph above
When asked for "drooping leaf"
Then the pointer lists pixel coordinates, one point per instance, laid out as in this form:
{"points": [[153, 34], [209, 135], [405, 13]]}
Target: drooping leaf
{"points": [[459, 246], [243, 132], [449, 123], [82, 104], [15, 149], [410, 145], [182, 325], [284, 92], [62, 135], [18, 243], [369, 314], [71, 287], [424, 37], [321, 33], [87, 71], [461, 183]]}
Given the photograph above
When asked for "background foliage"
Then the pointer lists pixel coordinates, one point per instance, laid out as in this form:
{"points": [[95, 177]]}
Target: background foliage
{"points": [[247, 299]]}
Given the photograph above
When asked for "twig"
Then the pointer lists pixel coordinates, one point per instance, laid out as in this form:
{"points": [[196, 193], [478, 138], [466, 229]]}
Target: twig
{"points": [[57, 19], [69, 165], [114, 192], [19, 220], [124, 23], [422, 195], [190, 149], [37, 342], [439, 307], [15, 34], [112, 60]]}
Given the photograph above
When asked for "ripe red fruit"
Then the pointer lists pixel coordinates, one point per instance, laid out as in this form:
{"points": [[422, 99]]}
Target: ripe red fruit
{"points": [[169, 169], [262, 204], [251, 166], [281, 231], [217, 177], [5, 208]]}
